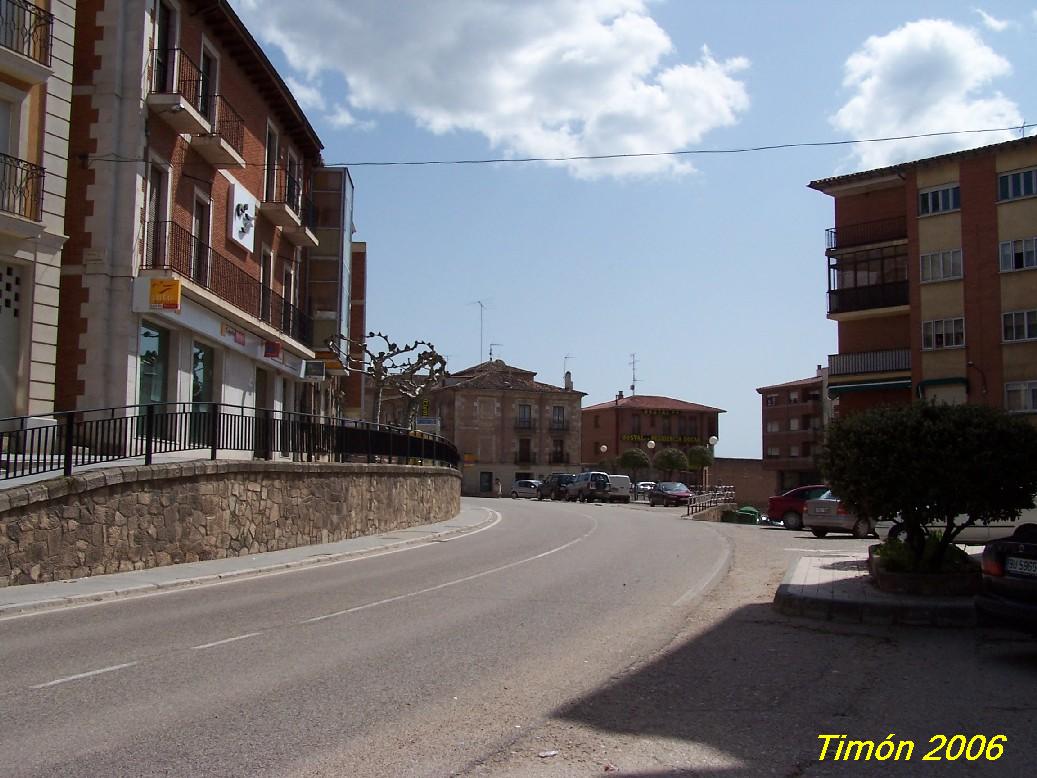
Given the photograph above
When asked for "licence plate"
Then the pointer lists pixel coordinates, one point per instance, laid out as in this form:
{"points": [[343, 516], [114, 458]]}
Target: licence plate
{"points": [[1014, 564]]}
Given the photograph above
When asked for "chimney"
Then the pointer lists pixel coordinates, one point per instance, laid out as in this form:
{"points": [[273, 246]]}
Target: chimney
{"points": [[619, 396], [568, 380]]}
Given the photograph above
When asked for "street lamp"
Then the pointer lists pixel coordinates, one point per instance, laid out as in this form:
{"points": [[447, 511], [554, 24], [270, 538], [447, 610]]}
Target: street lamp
{"points": [[713, 439]]}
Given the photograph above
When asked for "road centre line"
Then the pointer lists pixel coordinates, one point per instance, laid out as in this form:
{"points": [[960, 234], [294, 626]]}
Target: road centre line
{"points": [[78, 676], [456, 581], [225, 641]]}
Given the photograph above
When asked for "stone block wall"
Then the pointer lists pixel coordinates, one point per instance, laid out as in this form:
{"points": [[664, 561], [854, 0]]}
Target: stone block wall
{"points": [[131, 518]]}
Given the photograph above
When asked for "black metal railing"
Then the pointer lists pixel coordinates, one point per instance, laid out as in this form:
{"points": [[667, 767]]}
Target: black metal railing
{"points": [[524, 424], [26, 29], [527, 458], [558, 459], [876, 231], [558, 425], [82, 438], [21, 188], [862, 298], [307, 213], [284, 188], [169, 246], [174, 72], [227, 123]]}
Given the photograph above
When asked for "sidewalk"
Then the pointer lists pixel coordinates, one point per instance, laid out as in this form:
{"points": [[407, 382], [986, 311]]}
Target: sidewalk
{"points": [[839, 589], [34, 597]]}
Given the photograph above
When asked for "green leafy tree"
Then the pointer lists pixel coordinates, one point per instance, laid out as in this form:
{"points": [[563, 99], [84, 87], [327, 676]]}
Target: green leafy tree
{"points": [[923, 464], [634, 460], [699, 457], [671, 460]]}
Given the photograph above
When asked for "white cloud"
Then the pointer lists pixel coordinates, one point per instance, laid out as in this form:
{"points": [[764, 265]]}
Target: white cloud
{"points": [[927, 76], [542, 78], [309, 96], [997, 25]]}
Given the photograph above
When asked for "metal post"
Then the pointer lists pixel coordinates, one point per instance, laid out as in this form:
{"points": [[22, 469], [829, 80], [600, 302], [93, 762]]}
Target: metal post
{"points": [[149, 433], [214, 429], [70, 425], [370, 453]]}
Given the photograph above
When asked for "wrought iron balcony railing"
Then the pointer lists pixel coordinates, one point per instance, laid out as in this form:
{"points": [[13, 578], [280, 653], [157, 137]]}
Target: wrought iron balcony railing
{"points": [[525, 458], [226, 122], [173, 72], [524, 424], [866, 232], [26, 29], [558, 425], [21, 188], [171, 247], [558, 459]]}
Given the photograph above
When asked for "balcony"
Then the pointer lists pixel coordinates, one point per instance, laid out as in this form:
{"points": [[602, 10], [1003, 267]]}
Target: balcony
{"points": [[558, 459], [525, 458], [21, 198], [837, 238], [224, 146], [283, 201], [558, 425], [305, 233], [171, 247], [863, 298], [522, 424], [889, 361], [26, 33], [176, 92]]}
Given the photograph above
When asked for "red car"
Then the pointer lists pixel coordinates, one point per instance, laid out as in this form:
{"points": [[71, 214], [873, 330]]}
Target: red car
{"points": [[668, 493], [790, 507]]}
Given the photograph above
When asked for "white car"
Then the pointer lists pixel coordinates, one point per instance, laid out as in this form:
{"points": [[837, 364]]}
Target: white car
{"points": [[525, 488]]}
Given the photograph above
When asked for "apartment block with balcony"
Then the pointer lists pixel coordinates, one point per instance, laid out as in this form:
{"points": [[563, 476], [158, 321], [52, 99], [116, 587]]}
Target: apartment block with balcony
{"points": [[506, 424], [35, 93], [794, 415], [190, 214], [940, 302]]}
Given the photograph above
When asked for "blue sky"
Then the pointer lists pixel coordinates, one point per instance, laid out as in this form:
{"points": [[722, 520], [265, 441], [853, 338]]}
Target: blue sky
{"points": [[709, 267]]}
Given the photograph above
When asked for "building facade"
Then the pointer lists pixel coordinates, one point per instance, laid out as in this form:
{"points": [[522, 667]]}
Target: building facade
{"points": [[632, 422], [35, 104], [505, 423], [189, 214], [794, 416], [932, 283]]}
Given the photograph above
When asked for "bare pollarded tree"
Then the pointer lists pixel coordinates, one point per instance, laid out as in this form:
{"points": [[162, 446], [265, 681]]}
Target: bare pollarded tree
{"points": [[412, 369]]}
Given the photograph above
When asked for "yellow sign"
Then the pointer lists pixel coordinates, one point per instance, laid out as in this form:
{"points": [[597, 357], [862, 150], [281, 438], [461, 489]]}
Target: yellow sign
{"points": [[164, 293]]}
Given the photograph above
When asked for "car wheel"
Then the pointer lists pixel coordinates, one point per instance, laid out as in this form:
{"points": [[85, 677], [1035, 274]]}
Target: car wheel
{"points": [[862, 528], [651, 503], [514, 495], [792, 520], [819, 533]]}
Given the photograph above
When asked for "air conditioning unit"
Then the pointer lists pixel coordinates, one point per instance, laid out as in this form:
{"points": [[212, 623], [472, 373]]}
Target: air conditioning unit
{"points": [[313, 370]]}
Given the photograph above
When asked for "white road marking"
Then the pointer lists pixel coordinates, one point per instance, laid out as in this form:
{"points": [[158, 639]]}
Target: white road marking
{"points": [[824, 551], [456, 581], [225, 641], [78, 676], [232, 578]]}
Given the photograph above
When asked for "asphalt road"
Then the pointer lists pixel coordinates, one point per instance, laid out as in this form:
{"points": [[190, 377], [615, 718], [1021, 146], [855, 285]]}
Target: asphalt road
{"points": [[427, 661]]}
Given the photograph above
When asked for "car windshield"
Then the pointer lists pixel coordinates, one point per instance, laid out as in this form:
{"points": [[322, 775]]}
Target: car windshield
{"points": [[828, 496], [673, 486]]}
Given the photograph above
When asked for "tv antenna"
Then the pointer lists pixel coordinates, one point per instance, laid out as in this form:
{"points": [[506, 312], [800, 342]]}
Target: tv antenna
{"points": [[565, 363], [633, 374], [482, 309]]}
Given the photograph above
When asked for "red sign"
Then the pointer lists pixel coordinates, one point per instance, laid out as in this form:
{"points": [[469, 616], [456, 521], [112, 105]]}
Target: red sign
{"points": [[272, 350]]}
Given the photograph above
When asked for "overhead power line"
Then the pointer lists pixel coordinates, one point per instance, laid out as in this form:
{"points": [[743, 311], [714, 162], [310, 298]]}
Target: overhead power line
{"points": [[1021, 128]]}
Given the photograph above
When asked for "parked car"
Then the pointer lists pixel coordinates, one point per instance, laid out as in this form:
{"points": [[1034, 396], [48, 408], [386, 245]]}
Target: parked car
{"points": [[525, 488], [589, 486], [554, 486], [977, 534], [669, 493], [828, 514], [643, 487], [788, 508], [1009, 591], [619, 488]]}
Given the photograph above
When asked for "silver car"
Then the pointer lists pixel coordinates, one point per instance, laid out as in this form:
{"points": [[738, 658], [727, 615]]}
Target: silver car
{"points": [[828, 514], [525, 488]]}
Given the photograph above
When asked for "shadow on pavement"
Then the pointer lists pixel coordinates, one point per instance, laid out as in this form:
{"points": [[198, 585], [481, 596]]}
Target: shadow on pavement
{"points": [[752, 694]]}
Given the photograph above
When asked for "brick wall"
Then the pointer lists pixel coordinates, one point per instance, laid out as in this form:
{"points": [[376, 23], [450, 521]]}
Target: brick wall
{"points": [[753, 485]]}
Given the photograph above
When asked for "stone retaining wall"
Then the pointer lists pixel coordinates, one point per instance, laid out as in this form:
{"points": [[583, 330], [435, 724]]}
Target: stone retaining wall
{"points": [[131, 518]]}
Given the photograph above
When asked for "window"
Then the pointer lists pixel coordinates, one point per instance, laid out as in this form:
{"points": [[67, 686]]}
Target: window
{"points": [[1012, 186], [770, 400], [1021, 396], [271, 165], [941, 265], [794, 425], [1018, 254], [1020, 325], [154, 359], [207, 84], [773, 452], [597, 423], [794, 451], [793, 397], [774, 426], [947, 198], [635, 423], [943, 333]]}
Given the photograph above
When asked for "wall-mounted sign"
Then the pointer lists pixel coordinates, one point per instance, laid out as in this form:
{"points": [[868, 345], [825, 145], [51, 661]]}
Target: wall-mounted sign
{"points": [[164, 293], [313, 370], [241, 217], [272, 349], [425, 407], [685, 439], [227, 331]]}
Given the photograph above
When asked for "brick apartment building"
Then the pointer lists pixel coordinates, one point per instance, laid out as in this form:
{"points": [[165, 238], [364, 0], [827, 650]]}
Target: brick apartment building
{"points": [[933, 280], [35, 93], [506, 424], [794, 416], [631, 422], [190, 216]]}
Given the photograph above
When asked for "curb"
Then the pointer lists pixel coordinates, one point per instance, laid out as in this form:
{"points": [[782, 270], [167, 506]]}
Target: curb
{"points": [[790, 600], [137, 590]]}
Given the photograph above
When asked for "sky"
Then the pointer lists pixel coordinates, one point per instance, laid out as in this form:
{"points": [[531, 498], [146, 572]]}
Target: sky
{"points": [[710, 265]]}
